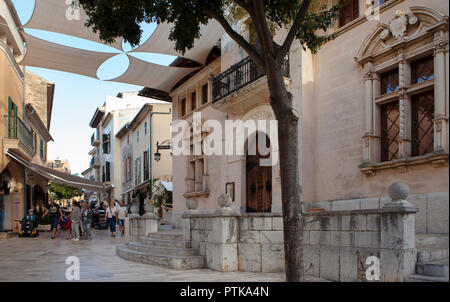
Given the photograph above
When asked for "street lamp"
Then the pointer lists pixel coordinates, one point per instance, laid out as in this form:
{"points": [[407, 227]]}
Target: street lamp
{"points": [[164, 146]]}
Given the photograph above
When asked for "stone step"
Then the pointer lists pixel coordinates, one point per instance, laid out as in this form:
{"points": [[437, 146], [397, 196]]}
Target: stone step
{"points": [[437, 268], [431, 241], [4, 236], [422, 278], [431, 254], [160, 250], [165, 243], [166, 236], [170, 261]]}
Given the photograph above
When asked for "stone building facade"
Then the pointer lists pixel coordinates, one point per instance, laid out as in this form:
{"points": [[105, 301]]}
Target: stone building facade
{"points": [[26, 102], [373, 109]]}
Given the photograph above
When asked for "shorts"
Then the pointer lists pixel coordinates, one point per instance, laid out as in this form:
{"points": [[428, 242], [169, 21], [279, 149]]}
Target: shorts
{"points": [[121, 222], [54, 221]]}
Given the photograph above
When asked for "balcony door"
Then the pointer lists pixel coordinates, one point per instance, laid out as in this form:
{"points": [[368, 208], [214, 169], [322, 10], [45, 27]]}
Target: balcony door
{"points": [[259, 181]]}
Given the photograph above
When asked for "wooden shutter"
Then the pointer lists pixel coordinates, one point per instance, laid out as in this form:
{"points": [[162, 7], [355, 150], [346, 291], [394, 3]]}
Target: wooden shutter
{"points": [[108, 171]]}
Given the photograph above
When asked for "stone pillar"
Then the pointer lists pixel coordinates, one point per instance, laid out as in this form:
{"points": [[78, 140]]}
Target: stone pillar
{"points": [[222, 243], [191, 205], [368, 104], [141, 226], [398, 253], [404, 71], [440, 112]]}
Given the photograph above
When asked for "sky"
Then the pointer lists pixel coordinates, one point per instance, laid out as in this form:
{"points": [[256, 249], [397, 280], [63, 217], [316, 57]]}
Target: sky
{"points": [[77, 97]]}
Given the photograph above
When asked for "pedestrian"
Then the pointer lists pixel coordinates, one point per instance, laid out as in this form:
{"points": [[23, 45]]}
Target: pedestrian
{"points": [[81, 206], [75, 216], [55, 216], [86, 219], [2, 209], [111, 217], [122, 213]]}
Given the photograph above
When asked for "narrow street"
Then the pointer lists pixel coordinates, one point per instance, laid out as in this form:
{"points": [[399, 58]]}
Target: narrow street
{"points": [[42, 259]]}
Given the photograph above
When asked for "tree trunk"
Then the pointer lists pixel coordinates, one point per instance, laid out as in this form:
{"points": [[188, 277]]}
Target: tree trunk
{"points": [[288, 119]]}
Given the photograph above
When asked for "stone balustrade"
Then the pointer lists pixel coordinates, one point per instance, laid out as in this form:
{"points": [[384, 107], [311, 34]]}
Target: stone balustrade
{"points": [[338, 244]]}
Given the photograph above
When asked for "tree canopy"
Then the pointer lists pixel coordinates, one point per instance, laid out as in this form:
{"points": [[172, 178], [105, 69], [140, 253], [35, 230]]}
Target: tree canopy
{"points": [[63, 191], [122, 18]]}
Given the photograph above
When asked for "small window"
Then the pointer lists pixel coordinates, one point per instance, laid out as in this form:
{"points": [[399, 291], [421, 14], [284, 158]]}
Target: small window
{"points": [[389, 81], [205, 94], [422, 70], [390, 131], [422, 110], [183, 107], [137, 136], [193, 101], [349, 12], [145, 128]]}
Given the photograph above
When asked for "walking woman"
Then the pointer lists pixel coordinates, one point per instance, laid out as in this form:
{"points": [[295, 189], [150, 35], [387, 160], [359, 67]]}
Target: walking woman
{"points": [[75, 216], [111, 216]]}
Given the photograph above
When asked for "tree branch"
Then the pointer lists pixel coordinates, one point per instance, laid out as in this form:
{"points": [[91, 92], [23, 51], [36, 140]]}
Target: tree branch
{"points": [[283, 50], [251, 50], [247, 6], [262, 27]]}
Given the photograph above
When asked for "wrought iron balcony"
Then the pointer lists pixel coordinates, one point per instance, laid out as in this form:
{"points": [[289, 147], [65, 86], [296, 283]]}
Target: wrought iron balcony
{"points": [[238, 76], [18, 130]]}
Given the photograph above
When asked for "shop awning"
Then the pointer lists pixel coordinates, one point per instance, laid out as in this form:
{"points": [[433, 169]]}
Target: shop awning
{"points": [[58, 177]]}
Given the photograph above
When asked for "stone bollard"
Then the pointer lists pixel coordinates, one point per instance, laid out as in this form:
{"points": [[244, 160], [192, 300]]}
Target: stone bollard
{"points": [[398, 253]]}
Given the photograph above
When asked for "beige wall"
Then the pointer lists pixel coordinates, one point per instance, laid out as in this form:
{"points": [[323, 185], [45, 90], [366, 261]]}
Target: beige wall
{"points": [[333, 122]]}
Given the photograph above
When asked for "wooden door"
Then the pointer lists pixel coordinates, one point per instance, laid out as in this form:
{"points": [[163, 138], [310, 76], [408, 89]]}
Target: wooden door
{"points": [[259, 183]]}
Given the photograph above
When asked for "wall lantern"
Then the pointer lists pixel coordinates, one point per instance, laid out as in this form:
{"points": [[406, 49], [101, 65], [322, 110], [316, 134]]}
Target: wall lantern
{"points": [[164, 146]]}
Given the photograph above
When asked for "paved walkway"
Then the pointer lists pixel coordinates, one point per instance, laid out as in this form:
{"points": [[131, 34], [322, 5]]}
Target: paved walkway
{"points": [[42, 259]]}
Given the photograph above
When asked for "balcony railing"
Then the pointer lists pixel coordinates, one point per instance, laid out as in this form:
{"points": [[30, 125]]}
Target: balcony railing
{"points": [[238, 76], [18, 130]]}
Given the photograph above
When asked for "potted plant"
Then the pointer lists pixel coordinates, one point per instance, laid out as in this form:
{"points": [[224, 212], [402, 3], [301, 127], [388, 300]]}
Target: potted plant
{"points": [[162, 199], [44, 223]]}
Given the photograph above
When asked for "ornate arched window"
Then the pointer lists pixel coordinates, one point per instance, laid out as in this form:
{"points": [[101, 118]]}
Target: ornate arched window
{"points": [[405, 67]]}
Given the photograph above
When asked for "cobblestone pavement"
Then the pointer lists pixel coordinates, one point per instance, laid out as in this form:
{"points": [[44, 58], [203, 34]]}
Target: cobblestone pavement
{"points": [[42, 259]]}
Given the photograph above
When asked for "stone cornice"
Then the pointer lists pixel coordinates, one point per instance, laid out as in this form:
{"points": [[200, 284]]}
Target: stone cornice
{"points": [[5, 49]]}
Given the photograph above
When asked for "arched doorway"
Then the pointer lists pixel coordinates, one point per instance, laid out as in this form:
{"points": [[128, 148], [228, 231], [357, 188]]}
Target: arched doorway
{"points": [[258, 179]]}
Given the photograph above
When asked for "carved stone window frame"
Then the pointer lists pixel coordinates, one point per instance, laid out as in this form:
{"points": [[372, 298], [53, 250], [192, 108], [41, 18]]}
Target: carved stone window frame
{"points": [[409, 36]]}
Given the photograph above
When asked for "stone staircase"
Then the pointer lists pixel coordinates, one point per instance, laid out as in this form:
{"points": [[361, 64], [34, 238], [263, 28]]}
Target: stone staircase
{"points": [[432, 259], [167, 249]]}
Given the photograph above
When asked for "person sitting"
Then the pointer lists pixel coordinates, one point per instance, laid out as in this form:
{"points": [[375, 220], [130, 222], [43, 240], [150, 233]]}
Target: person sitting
{"points": [[28, 223]]}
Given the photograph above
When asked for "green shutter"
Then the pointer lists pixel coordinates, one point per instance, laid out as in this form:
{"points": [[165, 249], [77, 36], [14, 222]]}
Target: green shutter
{"points": [[41, 148]]}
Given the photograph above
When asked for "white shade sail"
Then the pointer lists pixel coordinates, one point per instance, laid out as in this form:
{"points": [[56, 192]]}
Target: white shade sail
{"points": [[57, 16], [159, 42], [41, 53], [152, 75]]}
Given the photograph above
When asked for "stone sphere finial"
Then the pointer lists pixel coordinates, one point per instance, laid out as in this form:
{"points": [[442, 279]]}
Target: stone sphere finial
{"points": [[192, 204], [398, 191], [224, 201]]}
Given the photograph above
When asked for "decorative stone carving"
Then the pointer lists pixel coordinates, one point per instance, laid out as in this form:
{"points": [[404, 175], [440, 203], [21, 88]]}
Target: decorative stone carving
{"points": [[192, 204], [224, 201], [259, 113], [399, 192], [398, 26], [134, 210]]}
